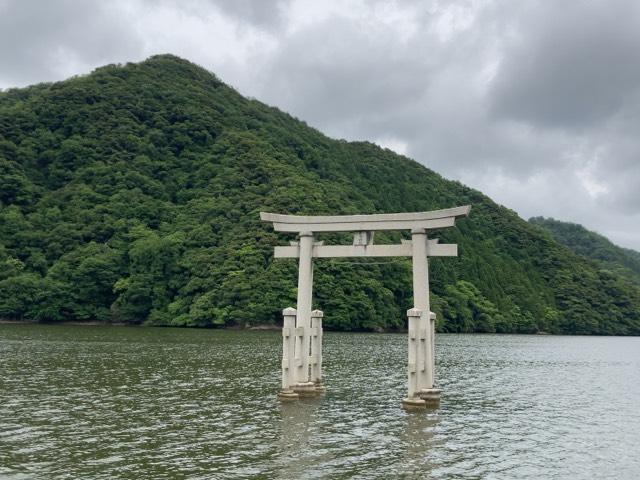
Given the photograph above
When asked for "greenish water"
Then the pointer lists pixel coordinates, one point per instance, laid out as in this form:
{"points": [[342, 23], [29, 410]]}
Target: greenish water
{"points": [[117, 402]]}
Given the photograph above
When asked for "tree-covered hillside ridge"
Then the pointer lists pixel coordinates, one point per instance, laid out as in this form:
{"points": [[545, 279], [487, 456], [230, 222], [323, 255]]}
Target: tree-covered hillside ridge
{"points": [[620, 260], [133, 195]]}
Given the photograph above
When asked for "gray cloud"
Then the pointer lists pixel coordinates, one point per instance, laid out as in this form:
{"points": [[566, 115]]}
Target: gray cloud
{"points": [[339, 74], [535, 103], [570, 67], [44, 41], [269, 15], [535, 106]]}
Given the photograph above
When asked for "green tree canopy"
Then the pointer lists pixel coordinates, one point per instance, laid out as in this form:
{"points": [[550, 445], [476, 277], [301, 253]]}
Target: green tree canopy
{"points": [[132, 194]]}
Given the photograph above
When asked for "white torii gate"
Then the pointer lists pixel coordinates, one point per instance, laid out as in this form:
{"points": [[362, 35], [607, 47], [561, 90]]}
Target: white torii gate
{"points": [[302, 328]]}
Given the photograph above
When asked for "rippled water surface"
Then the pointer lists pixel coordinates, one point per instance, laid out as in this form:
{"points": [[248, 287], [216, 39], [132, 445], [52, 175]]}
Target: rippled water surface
{"points": [[144, 403]]}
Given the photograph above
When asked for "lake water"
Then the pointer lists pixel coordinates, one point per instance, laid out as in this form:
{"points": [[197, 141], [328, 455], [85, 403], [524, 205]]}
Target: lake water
{"points": [[145, 403]]}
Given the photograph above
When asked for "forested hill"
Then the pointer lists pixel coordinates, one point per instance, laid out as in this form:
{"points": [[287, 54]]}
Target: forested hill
{"points": [[623, 261], [132, 194]]}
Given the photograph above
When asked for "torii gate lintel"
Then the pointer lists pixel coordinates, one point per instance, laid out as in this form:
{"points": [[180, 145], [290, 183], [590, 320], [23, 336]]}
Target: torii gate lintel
{"points": [[302, 328]]}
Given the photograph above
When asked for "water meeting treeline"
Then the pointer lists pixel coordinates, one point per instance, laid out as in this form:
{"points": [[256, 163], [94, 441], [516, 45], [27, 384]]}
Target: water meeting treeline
{"points": [[132, 195]]}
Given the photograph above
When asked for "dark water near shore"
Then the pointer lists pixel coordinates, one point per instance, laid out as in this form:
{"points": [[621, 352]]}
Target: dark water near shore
{"points": [[142, 403]]}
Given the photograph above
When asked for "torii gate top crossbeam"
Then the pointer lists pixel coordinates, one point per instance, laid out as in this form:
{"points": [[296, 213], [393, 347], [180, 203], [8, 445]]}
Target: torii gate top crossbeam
{"points": [[366, 223]]}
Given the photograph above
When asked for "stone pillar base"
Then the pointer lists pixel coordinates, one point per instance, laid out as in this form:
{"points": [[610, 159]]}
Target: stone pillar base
{"points": [[287, 395], [414, 404], [431, 396], [320, 388], [307, 389]]}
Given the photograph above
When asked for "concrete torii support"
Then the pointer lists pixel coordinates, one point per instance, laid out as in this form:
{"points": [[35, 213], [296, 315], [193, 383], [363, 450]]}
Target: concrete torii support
{"points": [[302, 328]]}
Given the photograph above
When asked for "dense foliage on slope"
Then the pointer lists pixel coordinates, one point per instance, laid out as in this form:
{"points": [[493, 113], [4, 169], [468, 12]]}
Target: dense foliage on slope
{"points": [[619, 260], [132, 194]]}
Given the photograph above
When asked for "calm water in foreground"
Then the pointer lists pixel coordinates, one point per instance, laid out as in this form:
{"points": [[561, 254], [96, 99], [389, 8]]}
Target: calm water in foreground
{"points": [[143, 403]]}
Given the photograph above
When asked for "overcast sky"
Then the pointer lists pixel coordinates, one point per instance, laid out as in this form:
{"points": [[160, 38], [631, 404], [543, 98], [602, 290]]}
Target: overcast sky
{"points": [[537, 104]]}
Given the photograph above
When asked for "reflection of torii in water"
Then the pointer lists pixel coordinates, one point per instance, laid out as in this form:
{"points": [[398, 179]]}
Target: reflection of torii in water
{"points": [[302, 329]]}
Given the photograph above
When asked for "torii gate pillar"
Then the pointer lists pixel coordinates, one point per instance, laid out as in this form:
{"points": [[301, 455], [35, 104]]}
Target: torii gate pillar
{"points": [[303, 319], [302, 342], [421, 332]]}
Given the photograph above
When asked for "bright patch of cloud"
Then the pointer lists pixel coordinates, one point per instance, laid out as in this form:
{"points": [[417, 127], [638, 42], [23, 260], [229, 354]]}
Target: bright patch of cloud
{"points": [[394, 144]]}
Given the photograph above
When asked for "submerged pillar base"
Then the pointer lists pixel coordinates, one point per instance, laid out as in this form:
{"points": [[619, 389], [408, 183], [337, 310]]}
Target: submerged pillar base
{"points": [[431, 396], [306, 389], [414, 404], [287, 395]]}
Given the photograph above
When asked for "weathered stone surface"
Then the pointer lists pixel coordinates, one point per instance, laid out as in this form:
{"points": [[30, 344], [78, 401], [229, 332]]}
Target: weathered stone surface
{"points": [[431, 396], [306, 389], [414, 404], [286, 395]]}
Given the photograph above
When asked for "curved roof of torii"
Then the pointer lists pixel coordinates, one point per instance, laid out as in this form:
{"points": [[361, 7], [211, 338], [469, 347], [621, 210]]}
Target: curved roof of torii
{"points": [[378, 221]]}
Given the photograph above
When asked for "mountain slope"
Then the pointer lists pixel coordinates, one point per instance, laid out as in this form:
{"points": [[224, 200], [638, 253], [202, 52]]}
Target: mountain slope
{"points": [[132, 194], [622, 261]]}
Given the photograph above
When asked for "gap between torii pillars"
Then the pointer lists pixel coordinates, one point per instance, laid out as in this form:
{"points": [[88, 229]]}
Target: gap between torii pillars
{"points": [[302, 345]]}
